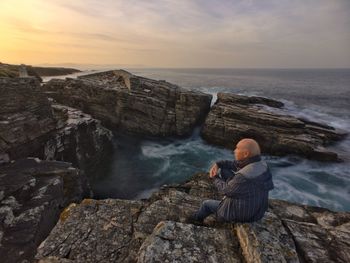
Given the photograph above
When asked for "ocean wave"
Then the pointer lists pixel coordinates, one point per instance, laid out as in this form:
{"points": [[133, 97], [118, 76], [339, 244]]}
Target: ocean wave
{"points": [[297, 180], [157, 150], [311, 182], [146, 193], [164, 167]]}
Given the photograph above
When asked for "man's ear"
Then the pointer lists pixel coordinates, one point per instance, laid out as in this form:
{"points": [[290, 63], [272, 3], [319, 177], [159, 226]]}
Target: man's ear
{"points": [[246, 154]]}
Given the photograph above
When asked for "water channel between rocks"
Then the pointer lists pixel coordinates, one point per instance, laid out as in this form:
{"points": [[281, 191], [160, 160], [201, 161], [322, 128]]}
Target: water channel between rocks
{"points": [[140, 166]]}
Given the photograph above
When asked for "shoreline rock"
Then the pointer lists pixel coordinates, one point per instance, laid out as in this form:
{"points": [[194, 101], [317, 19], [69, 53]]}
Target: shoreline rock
{"points": [[125, 102], [156, 229], [33, 192], [234, 117]]}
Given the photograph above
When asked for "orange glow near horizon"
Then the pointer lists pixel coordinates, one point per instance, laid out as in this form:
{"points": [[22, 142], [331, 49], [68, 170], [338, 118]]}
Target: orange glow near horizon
{"points": [[33, 32], [177, 33]]}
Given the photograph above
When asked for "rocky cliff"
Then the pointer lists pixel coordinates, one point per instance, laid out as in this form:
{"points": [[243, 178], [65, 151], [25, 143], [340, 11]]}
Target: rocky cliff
{"points": [[155, 230], [234, 117], [31, 126], [126, 102], [33, 192], [26, 118], [32, 195], [78, 139]]}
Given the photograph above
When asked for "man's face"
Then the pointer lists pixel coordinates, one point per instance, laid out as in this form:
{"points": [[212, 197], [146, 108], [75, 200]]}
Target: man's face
{"points": [[241, 152]]}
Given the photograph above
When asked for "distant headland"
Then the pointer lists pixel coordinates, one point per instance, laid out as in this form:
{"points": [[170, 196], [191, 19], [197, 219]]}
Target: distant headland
{"points": [[12, 71]]}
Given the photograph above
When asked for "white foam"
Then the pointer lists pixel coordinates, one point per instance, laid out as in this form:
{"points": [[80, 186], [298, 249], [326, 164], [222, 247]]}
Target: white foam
{"points": [[155, 150], [73, 75], [164, 168], [146, 193]]}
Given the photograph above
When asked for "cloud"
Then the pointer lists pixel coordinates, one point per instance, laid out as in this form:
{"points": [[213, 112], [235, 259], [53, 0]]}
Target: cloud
{"points": [[95, 36], [93, 8], [272, 31]]}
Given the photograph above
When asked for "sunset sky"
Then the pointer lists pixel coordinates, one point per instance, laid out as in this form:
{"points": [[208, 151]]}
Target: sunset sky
{"points": [[177, 33]]}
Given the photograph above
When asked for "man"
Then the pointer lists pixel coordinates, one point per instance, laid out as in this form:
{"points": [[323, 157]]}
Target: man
{"points": [[245, 183]]}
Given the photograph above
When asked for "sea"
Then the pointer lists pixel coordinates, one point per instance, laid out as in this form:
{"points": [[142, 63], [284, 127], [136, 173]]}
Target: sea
{"points": [[139, 166]]}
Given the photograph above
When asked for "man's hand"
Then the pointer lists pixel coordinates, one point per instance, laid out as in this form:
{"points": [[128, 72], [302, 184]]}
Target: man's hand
{"points": [[213, 170]]}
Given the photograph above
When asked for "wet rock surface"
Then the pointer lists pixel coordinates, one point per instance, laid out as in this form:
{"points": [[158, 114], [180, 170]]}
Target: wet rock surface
{"points": [[155, 230], [126, 102], [234, 117], [32, 194]]}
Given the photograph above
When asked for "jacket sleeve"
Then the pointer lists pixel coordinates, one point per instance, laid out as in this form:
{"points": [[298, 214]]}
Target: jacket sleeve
{"points": [[232, 188], [226, 164]]}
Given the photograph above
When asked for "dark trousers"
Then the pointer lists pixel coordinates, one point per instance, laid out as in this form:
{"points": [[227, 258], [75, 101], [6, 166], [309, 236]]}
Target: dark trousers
{"points": [[210, 206]]}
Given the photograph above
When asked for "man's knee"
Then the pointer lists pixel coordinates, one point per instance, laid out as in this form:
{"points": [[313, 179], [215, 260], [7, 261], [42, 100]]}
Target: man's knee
{"points": [[206, 203], [210, 205]]}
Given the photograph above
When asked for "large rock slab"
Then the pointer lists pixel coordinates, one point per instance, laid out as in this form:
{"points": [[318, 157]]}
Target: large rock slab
{"points": [[32, 194], [235, 117], [168, 204], [178, 242], [117, 228], [320, 235], [94, 231], [319, 244], [266, 241], [126, 102], [155, 230]]}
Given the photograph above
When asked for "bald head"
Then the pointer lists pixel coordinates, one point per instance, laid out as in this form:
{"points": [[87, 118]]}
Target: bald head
{"points": [[246, 148]]}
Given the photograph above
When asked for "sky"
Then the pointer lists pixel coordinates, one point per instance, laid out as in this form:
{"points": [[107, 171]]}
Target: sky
{"points": [[177, 33]]}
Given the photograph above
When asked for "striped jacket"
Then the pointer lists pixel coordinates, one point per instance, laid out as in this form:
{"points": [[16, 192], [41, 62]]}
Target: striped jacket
{"points": [[246, 192]]}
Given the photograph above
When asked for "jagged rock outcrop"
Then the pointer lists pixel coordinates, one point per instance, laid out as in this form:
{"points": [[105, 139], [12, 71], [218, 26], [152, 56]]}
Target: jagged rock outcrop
{"points": [[31, 126], [26, 118], [32, 194], [320, 235], [235, 117], [78, 139], [126, 102], [155, 230]]}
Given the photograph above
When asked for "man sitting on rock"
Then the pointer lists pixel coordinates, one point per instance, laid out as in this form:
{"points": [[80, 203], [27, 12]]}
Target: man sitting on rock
{"points": [[245, 183]]}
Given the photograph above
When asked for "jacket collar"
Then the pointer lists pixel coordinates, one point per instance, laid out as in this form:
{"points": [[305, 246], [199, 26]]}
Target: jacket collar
{"points": [[242, 163]]}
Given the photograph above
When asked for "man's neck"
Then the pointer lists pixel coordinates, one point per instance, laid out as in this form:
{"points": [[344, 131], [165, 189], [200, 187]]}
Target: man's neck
{"points": [[248, 160]]}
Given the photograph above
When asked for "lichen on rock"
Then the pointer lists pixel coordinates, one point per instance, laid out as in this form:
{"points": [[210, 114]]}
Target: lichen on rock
{"points": [[155, 230]]}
